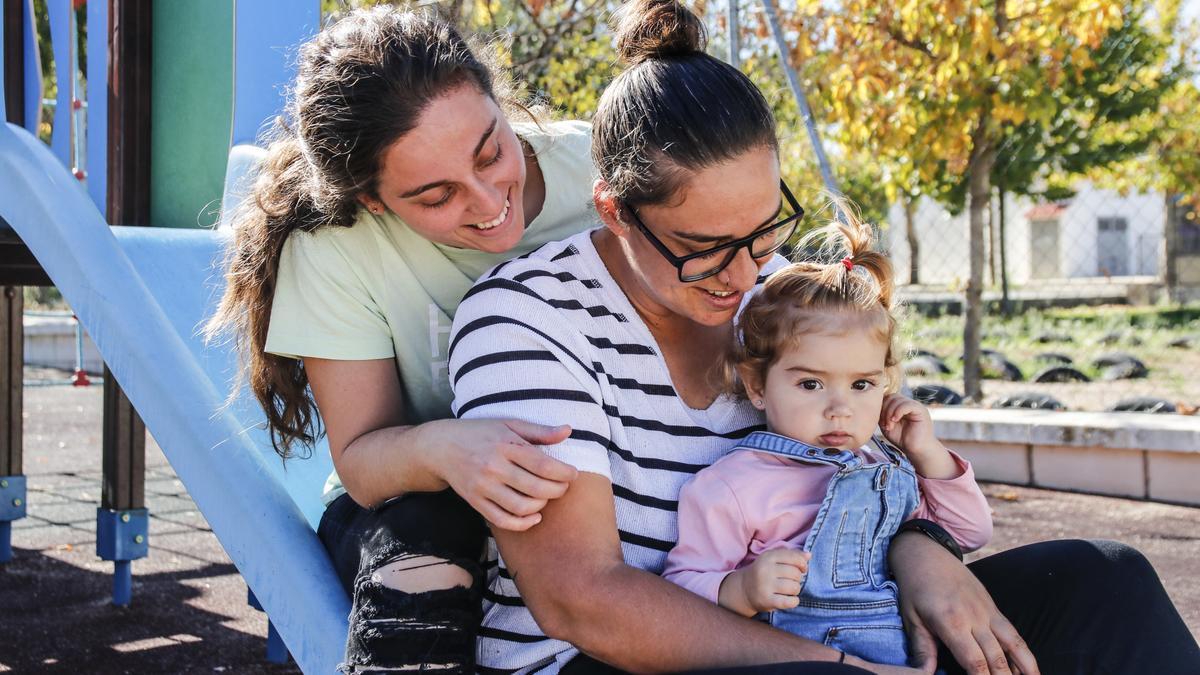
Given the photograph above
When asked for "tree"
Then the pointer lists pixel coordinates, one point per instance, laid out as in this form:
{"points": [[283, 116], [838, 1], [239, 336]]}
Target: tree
{"points": [[1095, 121], [1171, 164], [933, 84], [859, 176], [559, 54]]}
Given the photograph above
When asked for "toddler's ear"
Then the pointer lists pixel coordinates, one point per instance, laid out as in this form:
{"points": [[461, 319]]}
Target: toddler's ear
{"points": [[754, 387]]}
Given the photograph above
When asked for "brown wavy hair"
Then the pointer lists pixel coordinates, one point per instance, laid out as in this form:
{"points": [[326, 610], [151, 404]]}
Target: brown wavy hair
{"points": [[849, 286], [362, 83]]}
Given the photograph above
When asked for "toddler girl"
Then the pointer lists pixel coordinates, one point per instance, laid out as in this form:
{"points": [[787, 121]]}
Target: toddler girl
{"points": [[794, 524]]}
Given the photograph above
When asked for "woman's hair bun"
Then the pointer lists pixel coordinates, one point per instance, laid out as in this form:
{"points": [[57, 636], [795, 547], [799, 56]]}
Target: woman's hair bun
{"points": [[657, 29]]}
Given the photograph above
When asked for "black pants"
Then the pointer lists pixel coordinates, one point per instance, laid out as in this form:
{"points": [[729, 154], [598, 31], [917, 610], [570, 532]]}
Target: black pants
{"points": [[390, 628], [1087, 607], [1082, 606]]}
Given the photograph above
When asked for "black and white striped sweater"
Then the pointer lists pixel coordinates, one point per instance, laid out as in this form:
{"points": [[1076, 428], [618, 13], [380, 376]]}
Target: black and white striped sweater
{"points": [[550, 338]]}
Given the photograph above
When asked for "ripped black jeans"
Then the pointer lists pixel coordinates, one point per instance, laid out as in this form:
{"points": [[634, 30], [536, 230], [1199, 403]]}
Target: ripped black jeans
{"points": [[391, 629]]}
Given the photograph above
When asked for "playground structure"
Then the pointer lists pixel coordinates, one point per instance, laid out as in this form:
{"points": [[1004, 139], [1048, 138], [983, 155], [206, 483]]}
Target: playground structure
{"points": [[142, 293], [50, 351]]}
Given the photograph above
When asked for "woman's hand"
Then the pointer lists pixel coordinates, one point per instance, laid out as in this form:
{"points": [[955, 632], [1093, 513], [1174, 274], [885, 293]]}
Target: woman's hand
{"points": [[908, 425], [496, 466], [939, 597], [773, 581]]}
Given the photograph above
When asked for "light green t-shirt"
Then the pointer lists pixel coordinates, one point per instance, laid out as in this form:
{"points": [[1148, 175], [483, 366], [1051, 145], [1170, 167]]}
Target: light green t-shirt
{"points": [[378, 290]]}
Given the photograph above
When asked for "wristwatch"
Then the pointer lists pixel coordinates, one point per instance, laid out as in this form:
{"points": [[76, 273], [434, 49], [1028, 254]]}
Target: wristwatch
{"points": [[933, 531]]}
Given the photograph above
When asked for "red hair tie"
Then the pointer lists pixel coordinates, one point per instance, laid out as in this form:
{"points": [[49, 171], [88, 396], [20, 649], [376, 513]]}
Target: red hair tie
{"points": [[848, 262]]}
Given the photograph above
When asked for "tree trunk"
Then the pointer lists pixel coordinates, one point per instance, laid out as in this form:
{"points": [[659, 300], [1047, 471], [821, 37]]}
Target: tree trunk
{"points": [[1005, 305], [914, 246], [979, 195], [983, 156], [991, 241], [734, 33], [1169, 271]]}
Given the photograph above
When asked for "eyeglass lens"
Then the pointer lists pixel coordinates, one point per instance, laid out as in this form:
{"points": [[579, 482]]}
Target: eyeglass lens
{"points": [[765, 244]]}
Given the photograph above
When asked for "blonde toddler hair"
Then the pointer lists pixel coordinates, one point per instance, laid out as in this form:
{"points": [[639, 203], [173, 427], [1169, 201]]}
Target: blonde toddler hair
{"points": [[854, 291]]}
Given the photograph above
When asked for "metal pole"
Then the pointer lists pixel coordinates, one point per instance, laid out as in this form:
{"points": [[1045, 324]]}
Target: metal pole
{"points": [[78, 344], [801, 100], [81, 378], [735, 35]]}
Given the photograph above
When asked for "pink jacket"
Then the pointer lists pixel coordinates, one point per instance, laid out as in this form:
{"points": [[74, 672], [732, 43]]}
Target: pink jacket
{"points": [[751, 502]]}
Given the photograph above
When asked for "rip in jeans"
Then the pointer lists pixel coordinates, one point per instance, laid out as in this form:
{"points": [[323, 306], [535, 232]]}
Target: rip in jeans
{"points": [[393, 630]]}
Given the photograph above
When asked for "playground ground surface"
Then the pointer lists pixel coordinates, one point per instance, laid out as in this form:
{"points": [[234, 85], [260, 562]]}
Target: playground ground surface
{"points": [[189, 611]]}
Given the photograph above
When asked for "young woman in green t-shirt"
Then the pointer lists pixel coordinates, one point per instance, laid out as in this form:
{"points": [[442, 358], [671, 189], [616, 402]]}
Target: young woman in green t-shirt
{"points": [[396, 133]]}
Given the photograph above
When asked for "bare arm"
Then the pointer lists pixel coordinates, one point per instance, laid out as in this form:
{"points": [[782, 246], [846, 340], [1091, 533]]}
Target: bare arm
{"points": [[490, 463], [573, 578], [376, 454], [940, 597]]}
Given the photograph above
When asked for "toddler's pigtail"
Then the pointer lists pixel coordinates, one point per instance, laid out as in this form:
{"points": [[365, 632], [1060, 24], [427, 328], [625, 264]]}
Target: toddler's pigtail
{"points": [[858, 240]]}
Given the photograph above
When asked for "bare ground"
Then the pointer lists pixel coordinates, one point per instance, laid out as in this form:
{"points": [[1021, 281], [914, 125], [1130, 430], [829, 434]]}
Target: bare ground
{"points": [[189, 611]]}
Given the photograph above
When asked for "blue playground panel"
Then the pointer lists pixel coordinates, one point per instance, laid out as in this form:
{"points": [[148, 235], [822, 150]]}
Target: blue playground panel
{"points": [[143, 294], [12, 507]]}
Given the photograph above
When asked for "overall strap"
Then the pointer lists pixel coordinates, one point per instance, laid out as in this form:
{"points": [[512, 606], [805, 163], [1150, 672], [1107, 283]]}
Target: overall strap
{"points": [[775, 444], [890, 451]]}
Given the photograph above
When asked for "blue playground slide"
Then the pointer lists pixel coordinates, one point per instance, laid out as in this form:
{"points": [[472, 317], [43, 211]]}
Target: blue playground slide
{"points": [[143, 294]]}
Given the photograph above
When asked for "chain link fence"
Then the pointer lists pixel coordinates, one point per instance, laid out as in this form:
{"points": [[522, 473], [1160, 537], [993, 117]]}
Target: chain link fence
{"points": [[1077, 300], [1091, 241]]}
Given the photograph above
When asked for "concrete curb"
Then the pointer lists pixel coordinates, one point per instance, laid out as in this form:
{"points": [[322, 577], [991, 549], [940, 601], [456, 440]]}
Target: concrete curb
{"points": [[1155, 457]]}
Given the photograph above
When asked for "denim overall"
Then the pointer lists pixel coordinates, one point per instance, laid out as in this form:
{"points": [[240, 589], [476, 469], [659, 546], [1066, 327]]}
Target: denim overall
{"points": [[847, 600]]}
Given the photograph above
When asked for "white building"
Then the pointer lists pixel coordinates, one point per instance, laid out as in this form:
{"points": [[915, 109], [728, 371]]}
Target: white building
{"points": [[1096, 233]]}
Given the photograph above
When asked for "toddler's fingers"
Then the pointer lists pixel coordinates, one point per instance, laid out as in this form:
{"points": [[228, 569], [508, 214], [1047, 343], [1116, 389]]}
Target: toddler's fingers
{"points": [[902, 411], [788, 571], [796, 561], [787, 587], [899, 407], [887, 416], [915, 409], [791, 601]]}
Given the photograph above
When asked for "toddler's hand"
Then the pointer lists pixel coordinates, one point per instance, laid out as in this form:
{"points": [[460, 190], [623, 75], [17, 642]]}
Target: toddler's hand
{"points": [[773, 581], [908, 426]]}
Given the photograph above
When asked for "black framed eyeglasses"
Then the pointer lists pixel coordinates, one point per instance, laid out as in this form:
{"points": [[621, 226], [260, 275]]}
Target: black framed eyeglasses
{"points": [[704, 264]]}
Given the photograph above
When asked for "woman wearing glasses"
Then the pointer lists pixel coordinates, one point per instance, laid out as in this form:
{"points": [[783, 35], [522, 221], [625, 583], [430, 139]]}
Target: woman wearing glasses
{"points": [[614, 331]]}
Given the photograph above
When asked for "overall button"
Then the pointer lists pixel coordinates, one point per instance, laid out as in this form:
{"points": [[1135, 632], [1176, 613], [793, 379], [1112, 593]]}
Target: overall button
{"points": [[881, 477], [832, 452]]}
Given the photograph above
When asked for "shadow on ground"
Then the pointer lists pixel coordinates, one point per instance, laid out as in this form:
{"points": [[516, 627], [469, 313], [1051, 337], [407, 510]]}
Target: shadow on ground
{"points": [[60, 618], [189, 612]]}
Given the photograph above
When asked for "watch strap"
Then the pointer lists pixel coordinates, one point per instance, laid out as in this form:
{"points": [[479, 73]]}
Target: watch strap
{"points": [[933, 531]]}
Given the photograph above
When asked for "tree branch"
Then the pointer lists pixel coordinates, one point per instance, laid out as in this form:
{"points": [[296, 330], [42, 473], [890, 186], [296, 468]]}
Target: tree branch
{"points": [[897, 36]]}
